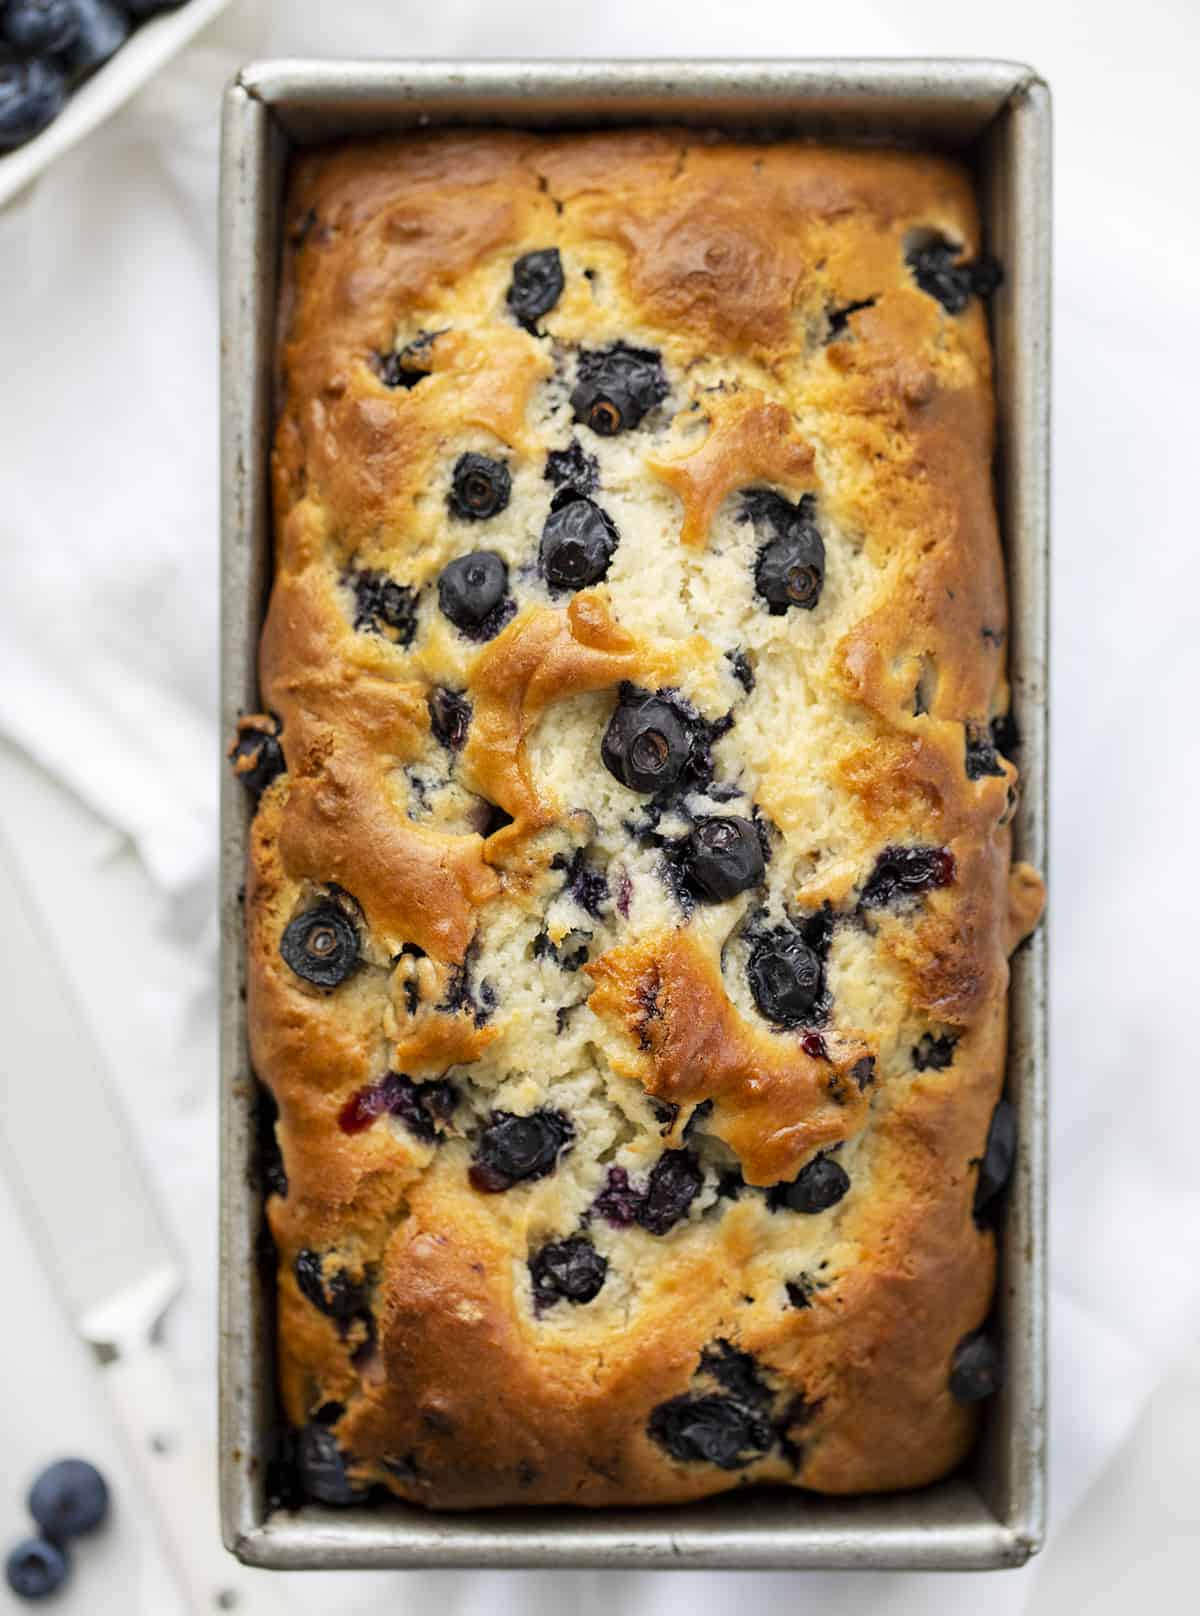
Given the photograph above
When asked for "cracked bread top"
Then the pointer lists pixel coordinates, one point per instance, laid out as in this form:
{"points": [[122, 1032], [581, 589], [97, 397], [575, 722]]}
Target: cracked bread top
{"points": [[630, 887]]}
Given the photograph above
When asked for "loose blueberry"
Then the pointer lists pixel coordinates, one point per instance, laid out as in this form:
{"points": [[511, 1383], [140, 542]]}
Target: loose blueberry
{"points": [[513, 1150], [578, 542], [713, 1430], [572, 467], [422, 1107], [36, 26], [321, 945], [974, 1369], [333, 1293], [256, 755], [449, 718], [786, 979], [382, 606], [998, 1156], [906, 872], [322, 1467], [790, 567], [36, 1568], [722, 857], [981, 757], [481, 487], [934, 1054], [68, 1499], [937, 270], [615, 387], [674, 1182], [571, 1269], [472, 587], [647, 745], [815, 1188], [32, 95], [537, 285], [410, 365], [103, 29]]}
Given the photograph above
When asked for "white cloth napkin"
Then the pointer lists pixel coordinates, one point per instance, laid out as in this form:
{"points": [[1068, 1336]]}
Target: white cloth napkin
{"points": [[108, 555]]}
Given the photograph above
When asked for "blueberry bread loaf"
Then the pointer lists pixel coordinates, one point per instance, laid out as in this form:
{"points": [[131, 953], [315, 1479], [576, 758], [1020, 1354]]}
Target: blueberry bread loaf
{"points": [[630, 891]]}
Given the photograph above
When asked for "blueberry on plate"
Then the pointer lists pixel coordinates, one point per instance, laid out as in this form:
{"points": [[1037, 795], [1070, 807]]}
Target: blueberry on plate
{"points": [[815, 1188], [103, 29], [513, 1149], [615, 387], [578, 542], [321, 945], [974, 1369], [785, 979], [34, 27], [68, 1499], [36, 1568], [32, 95], [481, 487], [537, 285], [571, 1269], [647, 745], [722, 857], [471, 587]]}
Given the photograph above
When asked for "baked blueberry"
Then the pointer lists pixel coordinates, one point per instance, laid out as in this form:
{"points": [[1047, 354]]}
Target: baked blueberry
{"points": [[712, 1429], [332, 1292], [839, 318], [938, 270], [34, 27], [382, 606], [449, 718], [322, 1467], [68, 1499], [408, 365], [815, 1188], [103, 29], [513, 1150], [647, 745], [272, 1172], [481, 487], [674, 1182], [150, 8], [36, 1568], [578, 542], [790, 567], [801, 1290], [981, 756], [569, 1269], [975, 1371], [906, 872], [537, 284], [615, 387], [618, 1202], [934, 1054], [572, 467], [422, 1107], [256, 754], [472, 587], [32, 95], [999, 1154], [786, 978], [588, 886], [321, 945], [722, 857], [742, 670]]}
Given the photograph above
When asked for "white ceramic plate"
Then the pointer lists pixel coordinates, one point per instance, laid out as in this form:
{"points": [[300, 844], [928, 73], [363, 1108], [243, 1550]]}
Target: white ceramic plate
{"points": [[147, 48]]}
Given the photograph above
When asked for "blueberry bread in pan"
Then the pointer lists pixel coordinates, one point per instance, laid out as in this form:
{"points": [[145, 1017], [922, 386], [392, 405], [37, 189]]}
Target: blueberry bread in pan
{"points": [[630, 888]]}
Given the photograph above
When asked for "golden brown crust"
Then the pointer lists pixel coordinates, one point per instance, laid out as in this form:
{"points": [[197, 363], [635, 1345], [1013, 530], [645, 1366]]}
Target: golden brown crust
{"points": [[801, 357]]}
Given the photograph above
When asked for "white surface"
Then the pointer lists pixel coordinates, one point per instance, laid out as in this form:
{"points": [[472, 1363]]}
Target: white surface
{"points": [[142, 54], [107, 673]]}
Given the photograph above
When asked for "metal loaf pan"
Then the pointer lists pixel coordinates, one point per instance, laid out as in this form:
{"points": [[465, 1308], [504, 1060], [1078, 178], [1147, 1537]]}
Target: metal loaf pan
{"points": [[997, 114]]}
